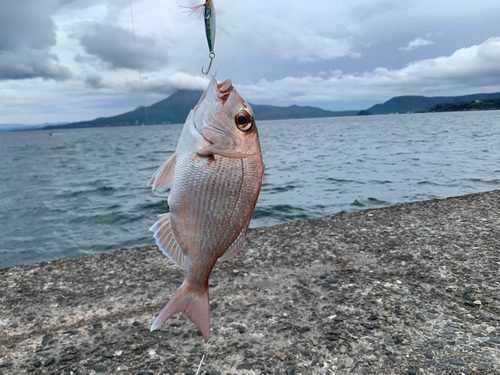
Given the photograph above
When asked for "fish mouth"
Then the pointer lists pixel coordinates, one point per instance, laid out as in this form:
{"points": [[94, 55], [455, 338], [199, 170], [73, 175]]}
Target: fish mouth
{"points": [[224, 89]]}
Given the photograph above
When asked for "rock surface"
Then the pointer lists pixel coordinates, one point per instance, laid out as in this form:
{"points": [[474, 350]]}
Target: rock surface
{"points": [[412, 289]]}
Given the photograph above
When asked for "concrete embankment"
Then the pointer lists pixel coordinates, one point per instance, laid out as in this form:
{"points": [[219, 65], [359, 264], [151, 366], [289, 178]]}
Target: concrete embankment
{"points": [[412, 289]]}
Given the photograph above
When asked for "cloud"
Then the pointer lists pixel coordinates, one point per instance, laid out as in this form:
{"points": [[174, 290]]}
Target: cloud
{"points": [[27, 33], [31, 63], [416, 43], [95, 81], [465, 71], [115, 46], [304, 44], [169, 84]]}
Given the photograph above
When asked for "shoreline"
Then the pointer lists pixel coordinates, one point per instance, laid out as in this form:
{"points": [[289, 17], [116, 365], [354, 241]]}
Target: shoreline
{"points": [[410, 289]]}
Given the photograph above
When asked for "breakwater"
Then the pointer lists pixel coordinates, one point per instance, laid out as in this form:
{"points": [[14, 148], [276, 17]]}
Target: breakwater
{"points": [[404, 289]]}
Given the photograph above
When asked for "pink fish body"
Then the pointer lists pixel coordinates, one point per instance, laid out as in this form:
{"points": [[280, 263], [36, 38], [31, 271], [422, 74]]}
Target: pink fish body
{"points": [[215, 174]]}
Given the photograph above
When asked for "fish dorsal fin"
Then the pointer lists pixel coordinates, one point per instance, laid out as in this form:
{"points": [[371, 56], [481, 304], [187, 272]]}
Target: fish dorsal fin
{"points": [[167, 243], [164, 174], [236, 246]]}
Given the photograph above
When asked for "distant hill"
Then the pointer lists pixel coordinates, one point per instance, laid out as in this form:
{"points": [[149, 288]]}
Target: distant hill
{"points": [[21, 127], [175, 108], [270, 112], [403, 104], [476, 105], [172, 110]]}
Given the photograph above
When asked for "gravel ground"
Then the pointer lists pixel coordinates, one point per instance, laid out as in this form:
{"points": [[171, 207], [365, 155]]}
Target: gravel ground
{"points": [[412, 289]]}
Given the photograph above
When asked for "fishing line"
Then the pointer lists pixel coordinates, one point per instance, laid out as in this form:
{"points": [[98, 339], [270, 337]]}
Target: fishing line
{"points": [[137, 64], [202, 358]]}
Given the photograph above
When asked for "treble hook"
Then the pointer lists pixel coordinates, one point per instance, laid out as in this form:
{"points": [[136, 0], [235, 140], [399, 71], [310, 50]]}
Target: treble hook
{"points": [[212, 56]]}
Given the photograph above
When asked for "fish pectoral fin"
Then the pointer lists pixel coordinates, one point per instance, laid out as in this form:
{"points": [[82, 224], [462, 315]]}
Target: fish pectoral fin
{"points": [[215, 150], [167, 243], [164, 175], [236, 245]]}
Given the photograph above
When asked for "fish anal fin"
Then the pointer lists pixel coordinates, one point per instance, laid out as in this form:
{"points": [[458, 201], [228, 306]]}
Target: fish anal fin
{"points": [[167, 243], [163, 175], [194, 302], [236, 245]]}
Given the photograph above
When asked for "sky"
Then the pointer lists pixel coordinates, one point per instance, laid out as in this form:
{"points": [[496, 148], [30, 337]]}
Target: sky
{"points": [[75, 60]]}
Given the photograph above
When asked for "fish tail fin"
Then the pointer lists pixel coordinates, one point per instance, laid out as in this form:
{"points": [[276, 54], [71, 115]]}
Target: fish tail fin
{"points": [[194, 302]]}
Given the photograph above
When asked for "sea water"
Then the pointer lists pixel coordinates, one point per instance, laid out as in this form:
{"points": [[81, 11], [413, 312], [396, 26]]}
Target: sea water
{"points": [[74, 192]]}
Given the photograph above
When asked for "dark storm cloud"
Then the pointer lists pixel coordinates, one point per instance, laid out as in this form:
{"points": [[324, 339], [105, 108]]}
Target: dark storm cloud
{"points": [[30, 63], [115, 46], [27, 33]]}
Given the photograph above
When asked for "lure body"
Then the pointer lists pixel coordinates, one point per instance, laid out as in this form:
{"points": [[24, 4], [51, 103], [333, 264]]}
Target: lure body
{"points": [[210, 24], [209, 16]]}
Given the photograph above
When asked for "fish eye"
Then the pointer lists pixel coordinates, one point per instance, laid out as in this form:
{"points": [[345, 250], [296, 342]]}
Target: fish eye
{"points": [[244, 121]]}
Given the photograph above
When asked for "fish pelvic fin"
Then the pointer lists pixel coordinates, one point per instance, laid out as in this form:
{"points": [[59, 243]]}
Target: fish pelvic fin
{"points": [[167, 243], [163, 175], [194, 302], [236, 245]]}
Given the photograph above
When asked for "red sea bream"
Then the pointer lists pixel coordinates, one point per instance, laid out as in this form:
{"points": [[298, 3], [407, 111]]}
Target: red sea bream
{"points": [[215, 174]]}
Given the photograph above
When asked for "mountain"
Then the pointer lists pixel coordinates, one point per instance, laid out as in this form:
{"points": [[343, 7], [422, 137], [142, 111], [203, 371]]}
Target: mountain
{"points": [[270, 112], [175, 108], [403, 104], [172, 110], [20, 127], [476, 105]]}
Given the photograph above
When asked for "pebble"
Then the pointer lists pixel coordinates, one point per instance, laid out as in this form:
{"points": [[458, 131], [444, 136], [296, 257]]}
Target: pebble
{"points": [[67, 358], [348, 362], [367, 325], [457, 362], [412, 370], [290, 370], [100, 368], [245, 366], [49, 362], [442, 366], [449, 329], [482, 367]]}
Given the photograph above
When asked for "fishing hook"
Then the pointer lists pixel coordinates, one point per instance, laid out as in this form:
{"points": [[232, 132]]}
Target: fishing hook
{"points": [[212, 56]]}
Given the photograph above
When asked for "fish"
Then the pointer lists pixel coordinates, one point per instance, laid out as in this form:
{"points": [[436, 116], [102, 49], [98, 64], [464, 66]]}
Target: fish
{"points": [[215, 177]]}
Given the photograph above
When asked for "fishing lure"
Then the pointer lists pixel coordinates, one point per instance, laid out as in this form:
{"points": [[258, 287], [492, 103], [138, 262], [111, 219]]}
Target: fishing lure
{"points": [[209, 15]]}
